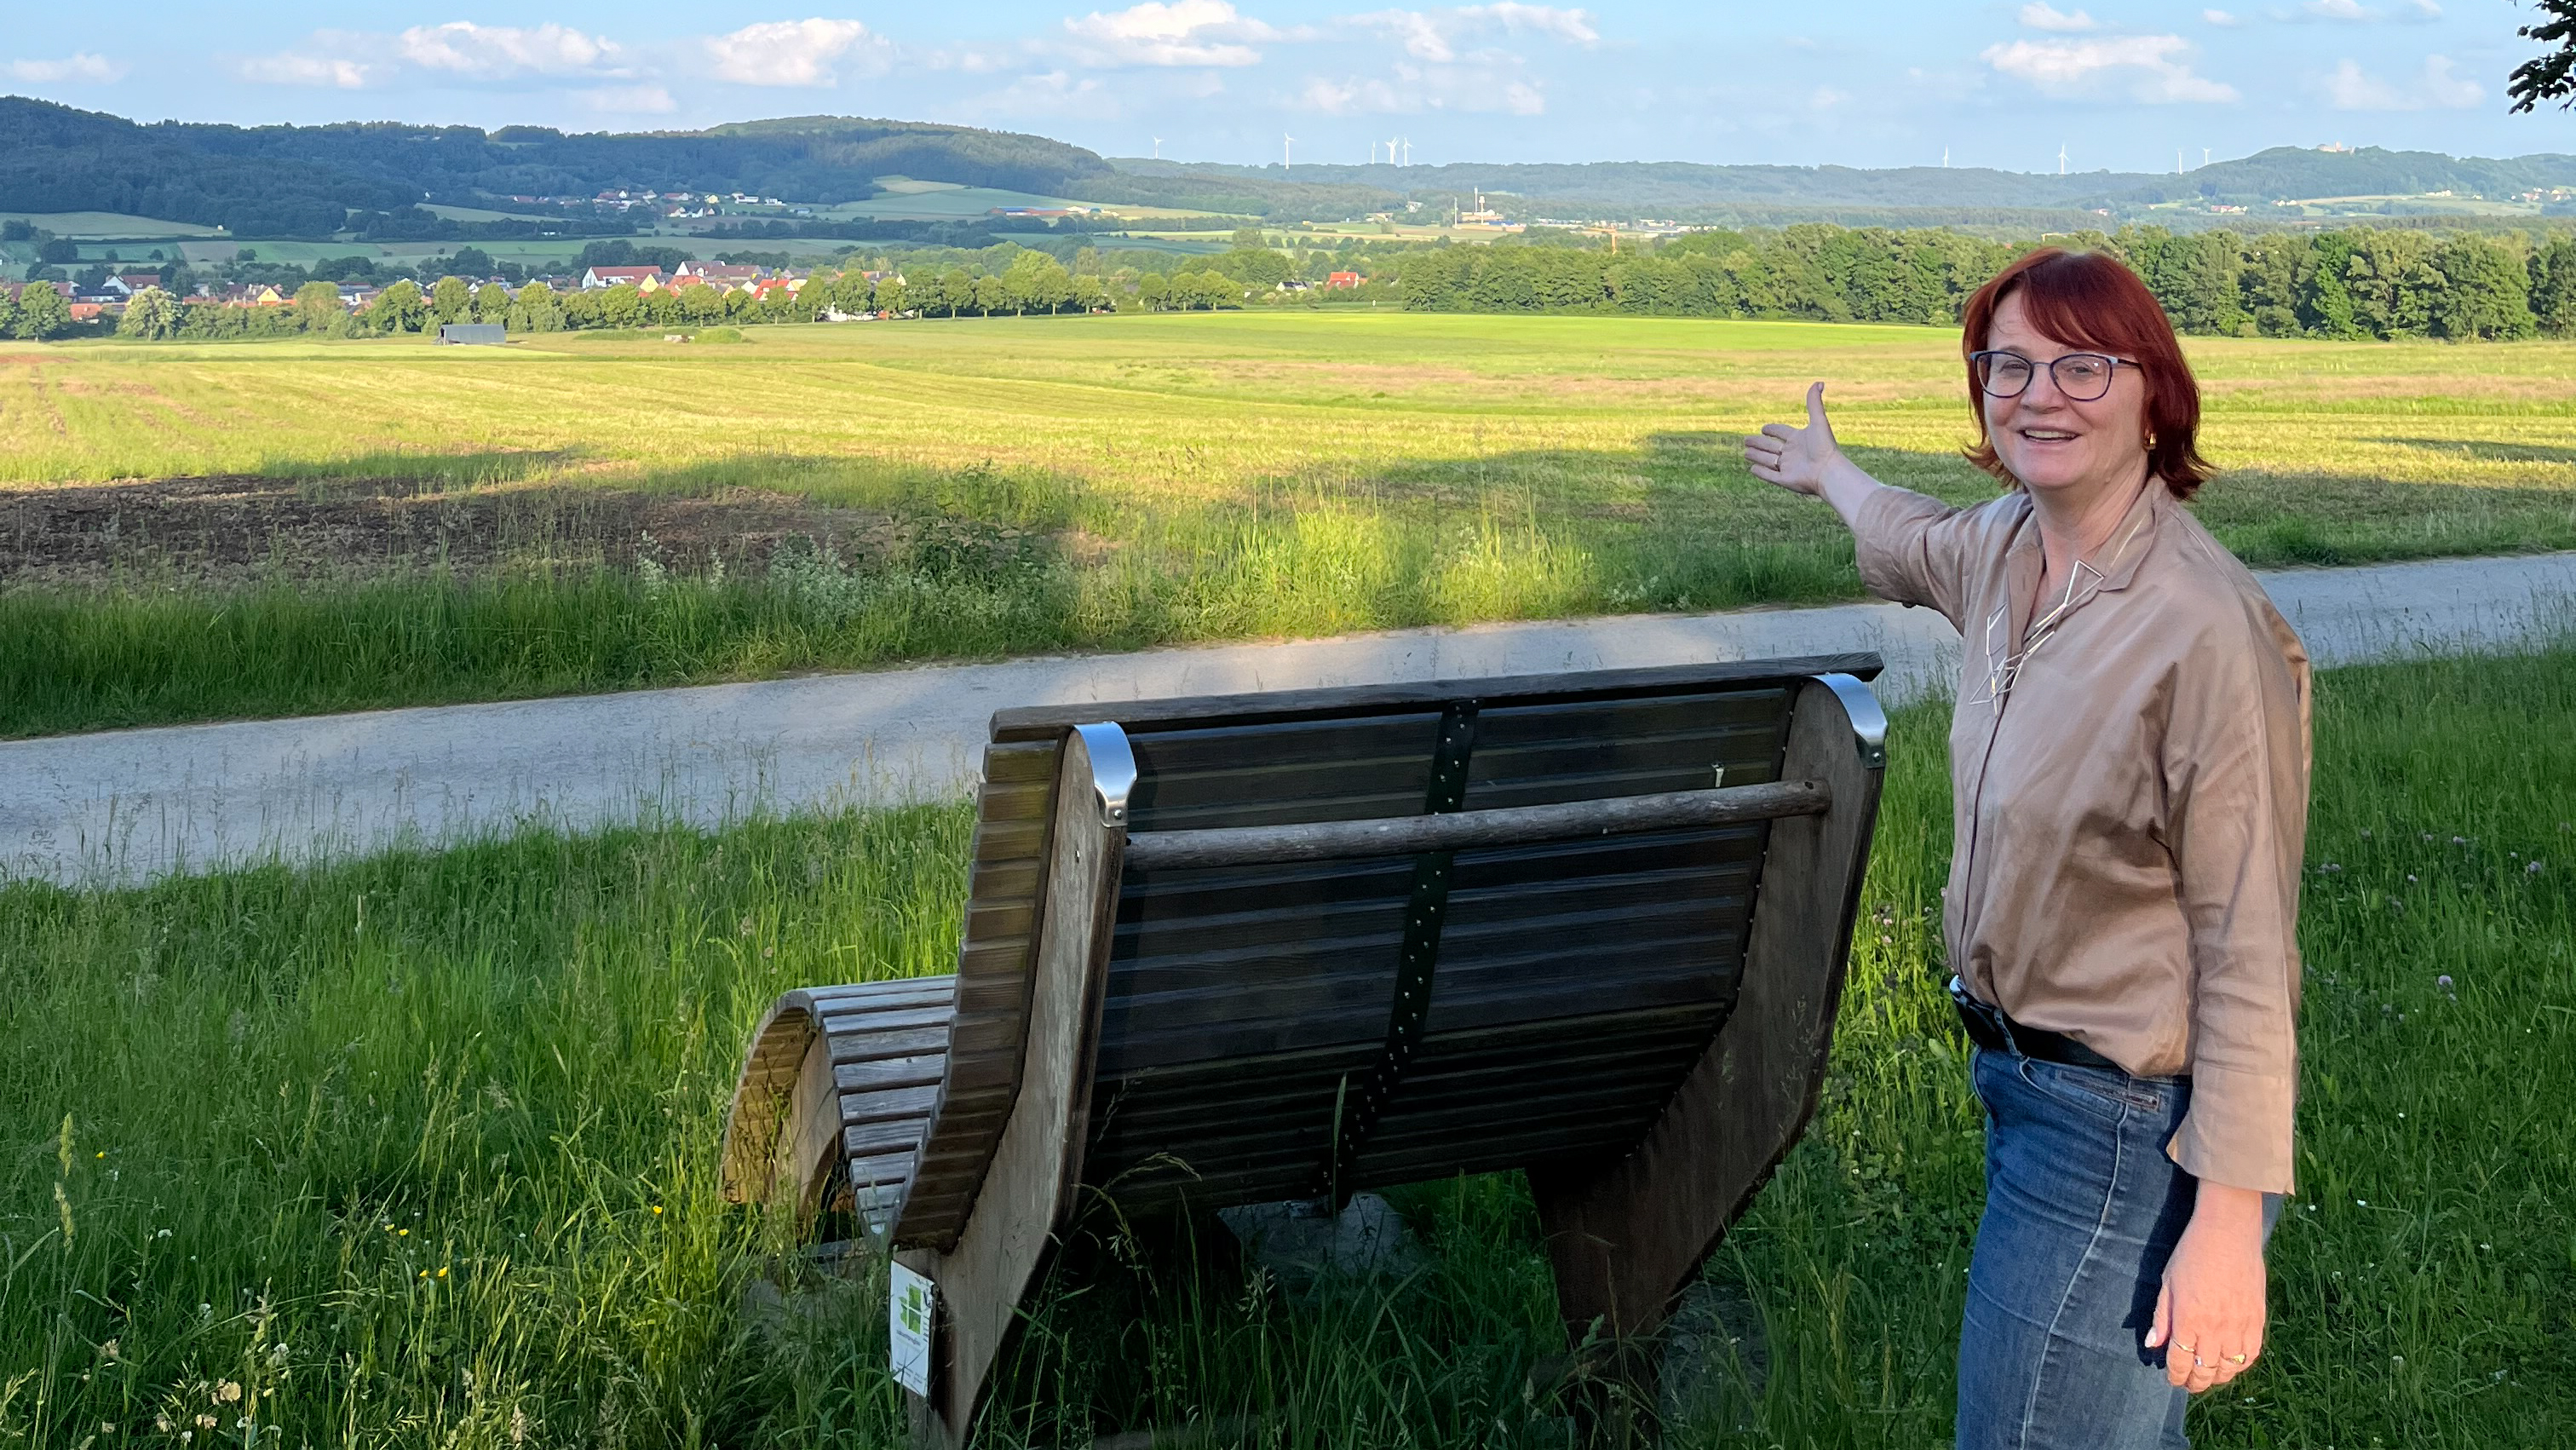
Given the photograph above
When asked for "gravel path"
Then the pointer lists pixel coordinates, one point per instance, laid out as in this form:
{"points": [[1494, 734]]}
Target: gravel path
{"points": [[135, 804]]}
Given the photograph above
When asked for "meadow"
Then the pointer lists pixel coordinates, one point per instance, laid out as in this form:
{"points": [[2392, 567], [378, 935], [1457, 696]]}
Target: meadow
{"points": [[421, 1149], [226, 530]]}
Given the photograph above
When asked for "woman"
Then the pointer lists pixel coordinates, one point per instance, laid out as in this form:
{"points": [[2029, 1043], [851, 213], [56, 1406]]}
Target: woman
{"points": [[2129, 758]]}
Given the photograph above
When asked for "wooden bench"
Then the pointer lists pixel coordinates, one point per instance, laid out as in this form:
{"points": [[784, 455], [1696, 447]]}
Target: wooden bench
{"points": [[1263, 947]]}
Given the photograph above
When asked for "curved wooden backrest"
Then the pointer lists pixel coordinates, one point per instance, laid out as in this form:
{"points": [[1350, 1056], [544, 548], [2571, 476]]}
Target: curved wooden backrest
{"points": [[1330, 754]]}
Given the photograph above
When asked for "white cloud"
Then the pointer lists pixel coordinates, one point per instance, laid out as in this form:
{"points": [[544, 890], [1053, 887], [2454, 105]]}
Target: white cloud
{"points": [[1486, 85], [1181, 32], [490, 52], [291, 68], [2040, 15], [80, 66], [1358, 96], [796, 52], [2439, 85], [629, 100], [1569, 25], [2153, 67], [1055, 93], [1435, 35], [2221, 18], [2345, 10]]}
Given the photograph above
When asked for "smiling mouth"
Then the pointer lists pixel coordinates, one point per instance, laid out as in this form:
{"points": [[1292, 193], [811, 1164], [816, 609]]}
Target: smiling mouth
{"points": [[2048, 435]]}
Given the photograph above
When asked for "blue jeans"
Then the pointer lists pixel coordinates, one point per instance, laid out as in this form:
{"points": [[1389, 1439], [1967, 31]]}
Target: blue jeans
{"points": [[2082, 1210]]}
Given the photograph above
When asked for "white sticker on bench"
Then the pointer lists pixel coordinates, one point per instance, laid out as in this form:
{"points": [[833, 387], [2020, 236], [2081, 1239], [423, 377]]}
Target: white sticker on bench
{"points": [[910, 1311]]}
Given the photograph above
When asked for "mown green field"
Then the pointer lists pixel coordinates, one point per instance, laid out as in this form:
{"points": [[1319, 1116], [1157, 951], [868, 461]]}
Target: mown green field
{"points": [[422, 1150], [1093, 483]]}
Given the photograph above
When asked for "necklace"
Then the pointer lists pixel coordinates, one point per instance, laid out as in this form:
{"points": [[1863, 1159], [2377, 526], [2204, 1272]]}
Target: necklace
{"points": [[2003, 663]]}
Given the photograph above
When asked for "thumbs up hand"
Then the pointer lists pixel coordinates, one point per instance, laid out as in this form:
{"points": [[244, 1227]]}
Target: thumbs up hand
{"points": [[1795, 458]]}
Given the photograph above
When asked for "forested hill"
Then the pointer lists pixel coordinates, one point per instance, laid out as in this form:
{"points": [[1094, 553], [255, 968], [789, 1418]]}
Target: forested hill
{"points": [[1676, 188], [302, 180]]}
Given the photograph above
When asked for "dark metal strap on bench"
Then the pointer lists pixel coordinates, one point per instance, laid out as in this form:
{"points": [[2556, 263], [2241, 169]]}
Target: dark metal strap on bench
{"points": [[1462, 830], [1426, 909]]}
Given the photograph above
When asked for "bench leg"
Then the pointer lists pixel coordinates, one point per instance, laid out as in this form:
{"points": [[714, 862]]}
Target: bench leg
{"points": [[1626, 1238], [1010, 1230]]}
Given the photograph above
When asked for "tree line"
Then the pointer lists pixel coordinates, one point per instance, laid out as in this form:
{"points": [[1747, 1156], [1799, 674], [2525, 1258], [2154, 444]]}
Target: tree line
{"points": [[2352, 283], [2339, 284]]}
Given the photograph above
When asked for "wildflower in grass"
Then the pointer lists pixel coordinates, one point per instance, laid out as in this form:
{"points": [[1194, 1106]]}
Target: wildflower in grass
{"points": [[2442, 984], [657, 1210], [2532, 870], [229, 1392], [746, 926]]}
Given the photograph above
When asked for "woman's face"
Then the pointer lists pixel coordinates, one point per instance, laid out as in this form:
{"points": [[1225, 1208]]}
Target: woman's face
{"points": [[2051, 441]]}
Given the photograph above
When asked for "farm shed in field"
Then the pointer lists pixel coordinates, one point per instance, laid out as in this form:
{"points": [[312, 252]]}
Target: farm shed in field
{"points": [[488, 333]]}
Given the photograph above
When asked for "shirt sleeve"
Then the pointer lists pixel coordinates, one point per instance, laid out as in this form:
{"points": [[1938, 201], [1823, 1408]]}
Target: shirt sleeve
{"points": [[2236, 773], [1913, 550]]}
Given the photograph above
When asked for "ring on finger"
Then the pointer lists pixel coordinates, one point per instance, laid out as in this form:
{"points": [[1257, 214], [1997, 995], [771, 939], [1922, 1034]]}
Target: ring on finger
{"points": [[2238, 1358]]}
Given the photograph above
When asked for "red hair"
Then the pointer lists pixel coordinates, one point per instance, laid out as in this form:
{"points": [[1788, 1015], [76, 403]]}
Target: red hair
{"points": [[2088, 299]]}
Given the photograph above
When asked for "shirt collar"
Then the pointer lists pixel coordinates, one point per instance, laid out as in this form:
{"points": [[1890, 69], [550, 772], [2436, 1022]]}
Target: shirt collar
{"points": [[2120, 555]]}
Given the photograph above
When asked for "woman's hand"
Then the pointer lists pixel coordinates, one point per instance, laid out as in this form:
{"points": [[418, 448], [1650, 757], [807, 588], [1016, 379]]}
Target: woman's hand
{"points": [[1797, 459], [2209, 1315]]}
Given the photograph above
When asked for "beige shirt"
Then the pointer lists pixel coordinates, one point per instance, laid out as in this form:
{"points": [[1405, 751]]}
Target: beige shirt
{"points": [[2131, 814]]}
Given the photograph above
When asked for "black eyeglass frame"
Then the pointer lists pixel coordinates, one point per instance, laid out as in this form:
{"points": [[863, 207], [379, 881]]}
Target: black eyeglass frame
{"points": [[1983, 371]]}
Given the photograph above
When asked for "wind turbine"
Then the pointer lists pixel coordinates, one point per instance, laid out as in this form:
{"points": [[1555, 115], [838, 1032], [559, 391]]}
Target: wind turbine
{"points": [[2061, 158], [1158, 148], [2204, 156], [1390, 153], [1408, 154], [1285, 155]]}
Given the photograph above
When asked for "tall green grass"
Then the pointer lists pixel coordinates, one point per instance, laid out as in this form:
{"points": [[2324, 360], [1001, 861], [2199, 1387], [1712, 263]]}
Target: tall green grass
{"points": [[421, 1150], [142, 656]]}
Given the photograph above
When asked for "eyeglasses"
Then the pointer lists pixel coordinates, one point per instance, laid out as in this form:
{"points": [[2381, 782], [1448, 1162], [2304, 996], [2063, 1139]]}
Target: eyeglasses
{"points": [[2081, 376]]}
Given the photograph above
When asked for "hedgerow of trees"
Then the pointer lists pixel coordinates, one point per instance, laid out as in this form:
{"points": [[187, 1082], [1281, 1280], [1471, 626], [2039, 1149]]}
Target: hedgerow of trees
{"points": [[2356, 283], [2340, 284]]}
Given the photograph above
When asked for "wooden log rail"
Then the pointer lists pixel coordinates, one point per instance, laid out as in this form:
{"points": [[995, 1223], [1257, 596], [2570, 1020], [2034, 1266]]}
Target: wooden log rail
{"points": [[1465, 830]]}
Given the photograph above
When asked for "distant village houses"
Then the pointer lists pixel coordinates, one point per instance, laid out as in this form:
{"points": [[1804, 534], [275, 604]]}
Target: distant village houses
{"points": [[641, 278]]}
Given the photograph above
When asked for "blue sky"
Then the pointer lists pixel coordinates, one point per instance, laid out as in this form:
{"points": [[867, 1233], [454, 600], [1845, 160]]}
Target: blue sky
{"points": [[1864, 83]]}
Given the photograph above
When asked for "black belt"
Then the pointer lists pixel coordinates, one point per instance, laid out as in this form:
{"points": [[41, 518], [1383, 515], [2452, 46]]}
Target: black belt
{"points": [[1990, 1029]]}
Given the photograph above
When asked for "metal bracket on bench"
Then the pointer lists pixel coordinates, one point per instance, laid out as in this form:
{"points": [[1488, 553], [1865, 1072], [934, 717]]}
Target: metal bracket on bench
{"points": [[1113, 769], [1426, 909], [1869, 722]]}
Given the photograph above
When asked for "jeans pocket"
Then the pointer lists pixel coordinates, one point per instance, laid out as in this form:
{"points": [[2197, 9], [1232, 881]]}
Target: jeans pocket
{"points": [[2107, 1095]]}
